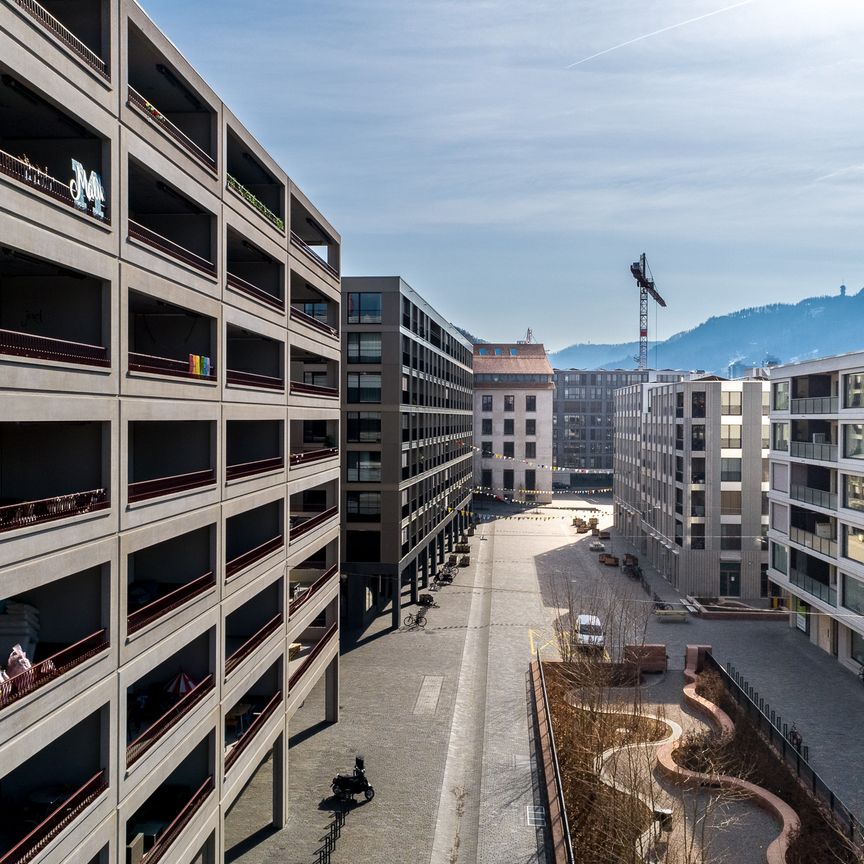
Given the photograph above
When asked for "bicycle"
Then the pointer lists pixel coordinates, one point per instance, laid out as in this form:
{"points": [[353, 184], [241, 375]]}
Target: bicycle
{"points": [[415, 620]]}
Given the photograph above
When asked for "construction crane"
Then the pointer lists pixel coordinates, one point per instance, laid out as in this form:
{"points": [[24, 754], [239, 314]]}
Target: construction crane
{"points": [[645, 280]]}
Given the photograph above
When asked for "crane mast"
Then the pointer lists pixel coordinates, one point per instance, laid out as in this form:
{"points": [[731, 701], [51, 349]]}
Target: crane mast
{"points": [[642, 274]]}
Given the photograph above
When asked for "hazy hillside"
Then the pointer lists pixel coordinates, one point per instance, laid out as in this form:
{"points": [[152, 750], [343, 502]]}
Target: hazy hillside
{"points": [[815, 327]]}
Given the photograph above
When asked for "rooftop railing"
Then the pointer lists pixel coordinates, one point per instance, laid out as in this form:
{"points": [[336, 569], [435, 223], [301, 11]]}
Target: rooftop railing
{"points": [[241, 562], [310, 321], [28, 513], [312, 522], [310, 658], [259, 466], [169, 247], [137, 748], [815, 405], [252, 643], [313, 589], [254, 291], [814, 496], [307, 456], [808, 450], [41, 673], [253, 379], [254, 727], [310, 253], [184, 817], [254, 203], [167, 602], [145, 489], [166, 366], [301, 389], [20, 344], [153, 113]]}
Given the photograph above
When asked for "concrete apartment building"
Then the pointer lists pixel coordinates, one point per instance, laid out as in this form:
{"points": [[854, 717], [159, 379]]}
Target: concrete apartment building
{"points": [[512, 420], [817, 500], [406, 433], [169, 479], [690, 482], [583, 406]]}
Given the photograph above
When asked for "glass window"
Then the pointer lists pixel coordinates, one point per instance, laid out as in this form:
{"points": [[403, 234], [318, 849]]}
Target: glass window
{"points": [[508, 426], [530, 403], [483, 352], [314, 309], [853, 594], [530, 480], [497, 352], [530, 450], [780, 436], [730, 401], [730, 436], [856, 646], [697, 535], [730, 470], [779, 558], [364, 466], [363, 426], [486, 480], [514, 352], [509, 403], [364, 387], [780, 396], [508, 449], [854, 492], [697, 403], [730, 578], [853, 441], [853, 545], [364, 347], [730, 537], [364, 308], [487, 402], [508, 480], [486, 448], [697, 437], [530, 427], [854, 390], [487, 426], [363, 506], [730, 502]]}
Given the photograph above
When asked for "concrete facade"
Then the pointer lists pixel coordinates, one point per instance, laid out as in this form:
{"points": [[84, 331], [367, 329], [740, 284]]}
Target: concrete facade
{"points": [[169, 468], [817, 500], [690, 482], [407, 397]]}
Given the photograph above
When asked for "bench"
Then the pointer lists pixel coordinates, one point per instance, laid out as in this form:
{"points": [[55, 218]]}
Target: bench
{"points": [[672, 614]]}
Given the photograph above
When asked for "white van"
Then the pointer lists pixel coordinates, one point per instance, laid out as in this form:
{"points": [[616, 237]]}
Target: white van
{"points": [[589, 632]]}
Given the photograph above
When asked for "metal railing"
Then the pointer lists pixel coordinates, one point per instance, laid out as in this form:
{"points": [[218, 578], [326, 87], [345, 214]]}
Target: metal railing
{"points": [[58, 664], [313, 589], [136, 100], [167, 602], [254, 728], [307, 525], [815, 405], [137, 748], [813, 496], [790, 750], [28, 513], [241, 562], [825, 545], [826, 593], [253, 201], [310, 658], [313, 455], [166, 366], [258, 466], [310, 321], [137, 231], [36, 178], [20, 344], [302, 389], [56, 821], [304, 247], [808, 450], [144, 489], [254, 291], [253, 379], [183, 818], [249, 646]]}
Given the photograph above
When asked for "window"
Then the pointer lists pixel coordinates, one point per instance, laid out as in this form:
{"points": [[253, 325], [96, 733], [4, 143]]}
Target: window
{"points": [[487, 402], [508, 426], [730, 401], [730, 470], [780, 396], [854, 492], [363, 506], [697, 469], [780, 436], [498, 352], [856, 646], [530, 450], [364, 387], [508, 449], [730, 537], [730, 578], [763, 580], [486, 448], [483, 352], [854, 391], [514, 352], [779, 558], [697, 404], [853, 543], [530, 403], [486, 481], [730, 502], [730, 436], [313, 309], [364, 347], [530, 427], [508, 480], [530, 480], [509, 403], [697, 535], [364, 308], [364, 466], [363, 426], [697, 438], [854, 441], [853, 594], [487, 426]]}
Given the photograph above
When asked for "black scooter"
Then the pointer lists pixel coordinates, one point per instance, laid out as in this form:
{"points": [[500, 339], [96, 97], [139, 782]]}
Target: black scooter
{"points": [[346, 786]]}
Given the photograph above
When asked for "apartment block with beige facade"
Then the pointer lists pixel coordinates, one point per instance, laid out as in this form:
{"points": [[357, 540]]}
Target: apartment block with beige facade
{"points": [[690, 482], [817, 500], [169, 466]]}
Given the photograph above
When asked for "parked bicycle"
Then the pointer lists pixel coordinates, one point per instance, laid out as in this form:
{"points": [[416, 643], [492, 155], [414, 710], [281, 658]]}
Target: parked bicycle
{"points": [[418, 619]]}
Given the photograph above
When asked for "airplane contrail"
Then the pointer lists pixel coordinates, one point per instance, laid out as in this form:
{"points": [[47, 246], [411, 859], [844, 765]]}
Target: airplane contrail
{"points": [[661, 30]]}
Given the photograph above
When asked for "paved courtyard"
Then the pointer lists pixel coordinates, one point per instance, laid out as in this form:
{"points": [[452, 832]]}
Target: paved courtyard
{"points": [[443, 716]]}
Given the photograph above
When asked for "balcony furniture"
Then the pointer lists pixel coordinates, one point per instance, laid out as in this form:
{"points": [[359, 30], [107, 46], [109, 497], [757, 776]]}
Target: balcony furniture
{"points": [[294, 650], [238, 716]]}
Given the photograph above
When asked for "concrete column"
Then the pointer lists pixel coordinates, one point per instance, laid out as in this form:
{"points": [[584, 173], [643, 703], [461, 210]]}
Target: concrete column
{"points": [[433, 555], [413, 567], [440, 546], [424, 568], [396, 608], [331, 691], [449, 536], [280, 783]]}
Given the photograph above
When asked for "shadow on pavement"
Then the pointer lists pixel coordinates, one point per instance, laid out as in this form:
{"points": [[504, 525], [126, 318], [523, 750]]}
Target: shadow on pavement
{"points": [[249, 843], [308, 732]]}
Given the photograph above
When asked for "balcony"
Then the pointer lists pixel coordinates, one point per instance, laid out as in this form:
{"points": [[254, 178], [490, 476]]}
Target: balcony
{"points": [[252, 535], [308, 653], [824, 545], [812, 450], [254, 360], [303, 524], [308, 456], [248, 647], [157, 212], [313, 309], [253, 447], [817, 497], [165, 339], [312, 240], [160, 94], [255, 183], [313, 375], [313, 441], [303, 592], [826, 593], [260, 717], [36, 139], [253, 272], [815, 405], [85, 21]]}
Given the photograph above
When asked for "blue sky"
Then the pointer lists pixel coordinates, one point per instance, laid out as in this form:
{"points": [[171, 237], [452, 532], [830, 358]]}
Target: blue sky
{"points": [[454, 143]]}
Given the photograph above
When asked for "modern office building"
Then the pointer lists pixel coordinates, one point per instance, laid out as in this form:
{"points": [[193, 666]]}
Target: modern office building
{"points": [[690, 484], [512, 421], [583, 425], [817, 500], [169, 477], [407, 398]]}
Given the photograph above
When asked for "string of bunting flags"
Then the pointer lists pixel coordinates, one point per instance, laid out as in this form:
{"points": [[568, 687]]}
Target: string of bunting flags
{"points": [[491, 490], [501, 456]]}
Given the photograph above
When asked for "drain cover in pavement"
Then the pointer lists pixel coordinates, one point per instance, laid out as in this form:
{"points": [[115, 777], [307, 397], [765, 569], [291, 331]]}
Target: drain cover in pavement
{"points": [[536, 816], [427, 698]]}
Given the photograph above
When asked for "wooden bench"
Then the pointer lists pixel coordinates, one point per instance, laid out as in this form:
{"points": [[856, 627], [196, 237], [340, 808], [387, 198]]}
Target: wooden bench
{"points": [[677, 614], [646, 658]]}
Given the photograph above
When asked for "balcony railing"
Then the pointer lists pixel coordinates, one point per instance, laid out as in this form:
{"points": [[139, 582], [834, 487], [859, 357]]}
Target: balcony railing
{"points": [[313, 522], [28, 513], [313, 589], [825, 545], [241, 562], [25, 172], [168, 720], [184, 817], [310, 321], [169, 247], [308, 456], [815, 405], [259, 466], [310, 658], [252, 643], [301, 389], [254, 203], [39, 674], [153, 113], [172, 600], [808, 450], [814, 496], [254, 727], [167, 366], [144, 489], [56, 821], [254, 291], [826, 593], [253, 379], [310, 253], [46, 348]]}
